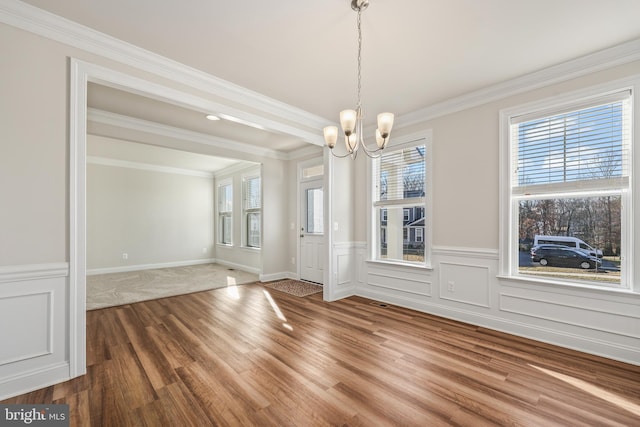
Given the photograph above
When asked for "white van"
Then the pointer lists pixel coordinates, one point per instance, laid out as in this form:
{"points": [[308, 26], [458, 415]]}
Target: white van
{"points": [[572, 242]]}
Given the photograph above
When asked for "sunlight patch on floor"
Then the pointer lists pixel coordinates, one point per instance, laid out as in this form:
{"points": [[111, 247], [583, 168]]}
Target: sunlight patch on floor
{"points": [[277, 310], [232, 289], [594, 390]]}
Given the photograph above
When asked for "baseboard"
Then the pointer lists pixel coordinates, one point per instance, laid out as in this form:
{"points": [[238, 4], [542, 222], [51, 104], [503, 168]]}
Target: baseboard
{"points": [[278, 276], [34, 380], [237, 266], [127, 268]]}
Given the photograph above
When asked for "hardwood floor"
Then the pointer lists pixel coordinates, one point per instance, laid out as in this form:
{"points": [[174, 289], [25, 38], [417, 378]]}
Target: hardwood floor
{"points": [[247, 356]]}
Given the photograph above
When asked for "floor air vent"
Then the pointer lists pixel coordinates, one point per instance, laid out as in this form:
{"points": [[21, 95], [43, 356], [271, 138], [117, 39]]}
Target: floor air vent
{"points": [[379, 304]]}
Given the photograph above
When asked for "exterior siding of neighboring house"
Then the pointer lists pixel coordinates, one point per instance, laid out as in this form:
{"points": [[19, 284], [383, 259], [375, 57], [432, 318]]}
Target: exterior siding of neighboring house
{"points": [[412, 224]]}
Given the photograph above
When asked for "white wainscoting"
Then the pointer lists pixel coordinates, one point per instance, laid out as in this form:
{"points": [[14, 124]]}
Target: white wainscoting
{"points": [[463, 285], [343, 271], [467, 284], [34, 336]]}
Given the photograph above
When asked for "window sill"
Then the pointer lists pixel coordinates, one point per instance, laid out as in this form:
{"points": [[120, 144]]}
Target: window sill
{"points": [[558, 284], [250, 249], [403, 265], [224, 245]]}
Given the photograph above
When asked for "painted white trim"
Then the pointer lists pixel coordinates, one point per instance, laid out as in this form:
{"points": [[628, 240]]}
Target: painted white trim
{"points": [[78, 78], [452, 251], [46, 24], [238, 266], [305, 152], [228, 172], [138, 267], [54, 27], [607, 58], [153, 128], [14, 273], [104, 161], [23, 382], [278, 276]]}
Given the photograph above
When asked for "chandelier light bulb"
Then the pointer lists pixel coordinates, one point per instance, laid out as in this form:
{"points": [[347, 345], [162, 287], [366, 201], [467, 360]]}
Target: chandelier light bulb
{"points": [[385, 123], [351, 142], [380, 141], [348, 121], [331, 136]]}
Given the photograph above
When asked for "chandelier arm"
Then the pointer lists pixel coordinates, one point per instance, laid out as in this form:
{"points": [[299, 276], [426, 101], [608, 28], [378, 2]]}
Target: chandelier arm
{"points": [[371, 153], [340, 156]]}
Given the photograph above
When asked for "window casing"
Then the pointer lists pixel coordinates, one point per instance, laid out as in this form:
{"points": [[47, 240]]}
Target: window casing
{"points": [[252, 211], [225, 213], [399, 194], [570, 174]]}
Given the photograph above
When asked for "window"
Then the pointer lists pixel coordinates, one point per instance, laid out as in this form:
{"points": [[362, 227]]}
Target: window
{"points": [[570, 178], [225, 213], [252, 211], [312, 171], [399, 187]]}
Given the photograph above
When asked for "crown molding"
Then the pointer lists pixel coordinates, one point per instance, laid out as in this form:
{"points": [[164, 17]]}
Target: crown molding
{"points": [[226, 173], [46, 24], [130, 123], [598, 61], [106, 161], [305, 152], [35, 20]]}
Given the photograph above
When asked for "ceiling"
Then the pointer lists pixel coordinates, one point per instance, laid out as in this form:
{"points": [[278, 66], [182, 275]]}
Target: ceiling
{"points": [[416, 53]]}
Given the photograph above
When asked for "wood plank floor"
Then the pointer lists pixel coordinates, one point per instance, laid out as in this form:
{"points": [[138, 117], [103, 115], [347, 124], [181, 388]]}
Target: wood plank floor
{"points": [[247, 356]]}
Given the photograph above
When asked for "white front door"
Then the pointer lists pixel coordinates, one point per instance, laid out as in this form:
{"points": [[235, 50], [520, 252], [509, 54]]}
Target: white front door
{"points": [[312, 231]]}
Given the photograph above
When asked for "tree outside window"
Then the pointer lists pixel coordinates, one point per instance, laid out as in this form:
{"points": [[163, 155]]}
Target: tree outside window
{"points": [[570, 177]]}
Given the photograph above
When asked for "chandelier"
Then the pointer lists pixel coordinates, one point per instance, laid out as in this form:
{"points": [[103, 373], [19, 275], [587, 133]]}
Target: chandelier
{"points": [[351, 120]]}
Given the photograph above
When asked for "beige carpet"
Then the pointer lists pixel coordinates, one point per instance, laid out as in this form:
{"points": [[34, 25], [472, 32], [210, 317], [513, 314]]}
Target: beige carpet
{"points": [[294, 287], [108, 290]]}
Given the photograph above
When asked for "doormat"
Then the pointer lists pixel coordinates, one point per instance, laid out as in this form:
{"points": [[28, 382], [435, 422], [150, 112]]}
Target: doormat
{"points": [[294, 287]]}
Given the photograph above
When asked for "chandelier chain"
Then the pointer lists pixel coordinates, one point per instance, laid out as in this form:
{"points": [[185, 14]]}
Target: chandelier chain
{"points": [[359, 59]]}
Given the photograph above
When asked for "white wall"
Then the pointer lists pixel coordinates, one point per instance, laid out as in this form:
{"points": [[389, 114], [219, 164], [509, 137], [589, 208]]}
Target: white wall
{"points": [[157, 218]]}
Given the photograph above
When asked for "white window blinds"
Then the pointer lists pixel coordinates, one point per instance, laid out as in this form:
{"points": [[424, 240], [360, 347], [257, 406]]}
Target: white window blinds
{"points": [[225, 198], [583, 149], [252, 193], [400, 176]]}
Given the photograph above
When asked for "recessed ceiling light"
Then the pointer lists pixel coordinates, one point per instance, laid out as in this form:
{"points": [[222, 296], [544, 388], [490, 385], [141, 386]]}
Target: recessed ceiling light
{"points": [[212, 117]]}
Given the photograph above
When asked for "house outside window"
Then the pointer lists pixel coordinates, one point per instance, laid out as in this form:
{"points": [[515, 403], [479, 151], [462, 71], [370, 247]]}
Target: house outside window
{"points": [[252, 207], [569, 180], [225, 213], [398, 202]]}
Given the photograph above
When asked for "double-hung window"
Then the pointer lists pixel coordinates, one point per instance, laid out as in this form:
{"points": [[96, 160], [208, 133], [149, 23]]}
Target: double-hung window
{"points": [[225, 213], [569, 189], [398, 202], [252, 211]]}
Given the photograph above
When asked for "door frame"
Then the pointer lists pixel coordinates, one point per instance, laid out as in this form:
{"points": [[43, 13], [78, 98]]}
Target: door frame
{"points": [[316, 182], [319, 161]]}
